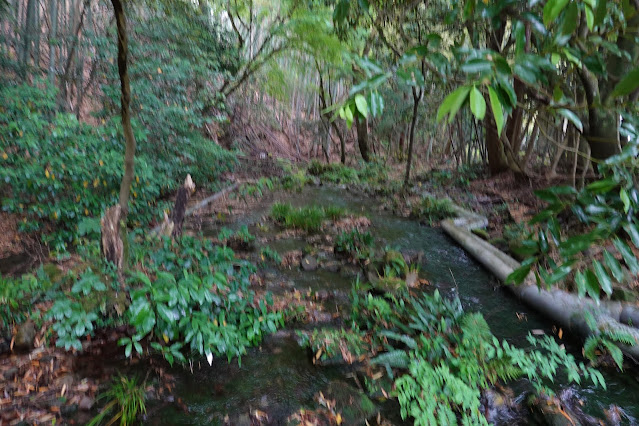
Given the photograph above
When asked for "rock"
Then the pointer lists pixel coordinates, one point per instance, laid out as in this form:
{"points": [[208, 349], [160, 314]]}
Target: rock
{"points": [[309, 263], [331, 266], [25, 337], [499, 405], [353, 405], [86, 403], [412, 279], [322, 295]]}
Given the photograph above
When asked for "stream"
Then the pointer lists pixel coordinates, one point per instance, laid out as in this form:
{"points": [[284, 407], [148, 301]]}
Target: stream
{"points": [[278, 377]]}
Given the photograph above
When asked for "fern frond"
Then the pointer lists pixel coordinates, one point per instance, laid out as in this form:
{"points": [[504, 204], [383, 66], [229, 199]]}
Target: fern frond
{"points": [[590, 345], [394, 359], [614, 352]]}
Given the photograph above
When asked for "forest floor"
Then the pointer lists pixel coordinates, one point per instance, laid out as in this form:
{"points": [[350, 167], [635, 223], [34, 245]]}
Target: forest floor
{"points": [[48, 383]]}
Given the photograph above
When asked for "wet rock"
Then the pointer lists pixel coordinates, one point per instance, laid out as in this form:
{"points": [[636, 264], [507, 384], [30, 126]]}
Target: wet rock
{"points": [[264, 402], [86, 403], [353, 405], [323, 295], [331, 266], [309, 263], [499, 406], [25, 337], [291, 258], [412, 279]]}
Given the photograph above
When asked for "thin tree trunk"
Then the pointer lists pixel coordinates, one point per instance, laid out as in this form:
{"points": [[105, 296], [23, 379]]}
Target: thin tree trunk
{"points": [[362, 137], [417, 97], [129, 155], [53, 11], [28, 35]]}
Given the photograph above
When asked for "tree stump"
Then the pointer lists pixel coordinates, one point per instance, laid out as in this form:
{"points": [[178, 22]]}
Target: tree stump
{"points": [[177, 215], [111, 244]]}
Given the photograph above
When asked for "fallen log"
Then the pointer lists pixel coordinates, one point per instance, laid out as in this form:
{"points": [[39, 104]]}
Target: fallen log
{"points": [[565, 308]]}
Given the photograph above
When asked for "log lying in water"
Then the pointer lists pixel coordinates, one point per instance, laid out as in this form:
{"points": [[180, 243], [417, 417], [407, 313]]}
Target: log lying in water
{"points": [[565, 308]]}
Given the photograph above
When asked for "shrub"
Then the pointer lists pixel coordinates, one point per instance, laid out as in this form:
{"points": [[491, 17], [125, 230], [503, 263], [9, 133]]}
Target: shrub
{"points": [[171, 94], [59, 171], [196, 296]]}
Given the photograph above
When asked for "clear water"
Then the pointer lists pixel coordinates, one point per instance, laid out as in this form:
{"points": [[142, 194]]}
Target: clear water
{"points": [[278, 378]]}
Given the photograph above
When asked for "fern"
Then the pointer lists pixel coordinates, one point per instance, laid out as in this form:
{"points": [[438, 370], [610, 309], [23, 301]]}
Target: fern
{"points": [[393, 359]]}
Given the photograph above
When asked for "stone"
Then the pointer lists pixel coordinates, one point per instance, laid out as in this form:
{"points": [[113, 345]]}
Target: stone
{"points": [[331, 266], [86, 403], [25, 337], [309, 263]]}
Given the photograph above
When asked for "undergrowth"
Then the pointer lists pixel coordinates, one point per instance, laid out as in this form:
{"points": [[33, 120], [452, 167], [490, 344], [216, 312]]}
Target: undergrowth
{"points": [[438, 358]]}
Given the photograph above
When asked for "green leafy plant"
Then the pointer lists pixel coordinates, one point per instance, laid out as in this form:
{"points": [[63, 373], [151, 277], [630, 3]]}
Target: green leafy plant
{"points": [[18, 296], [603, 212], [432, 347], [268, 253], [59, 171], [126, 397], [354, 243], [72, 322], [198, 297]]}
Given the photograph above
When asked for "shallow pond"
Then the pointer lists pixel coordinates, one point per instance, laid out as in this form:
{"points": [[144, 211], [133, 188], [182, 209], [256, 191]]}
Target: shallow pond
{"points": [[278, 378]]}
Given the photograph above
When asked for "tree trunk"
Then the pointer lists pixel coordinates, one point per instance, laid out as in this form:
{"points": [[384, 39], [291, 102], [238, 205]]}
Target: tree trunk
{"points": [[361, 124], [28, 35], [496, 157], [603, 135], [125, 100], [417, 97], [53, 11]]}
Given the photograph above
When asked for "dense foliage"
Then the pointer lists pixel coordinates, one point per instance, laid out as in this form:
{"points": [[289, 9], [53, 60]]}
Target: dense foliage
{"points": [[57, 171], [440, 358], [603, 212], [177, 56]]}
